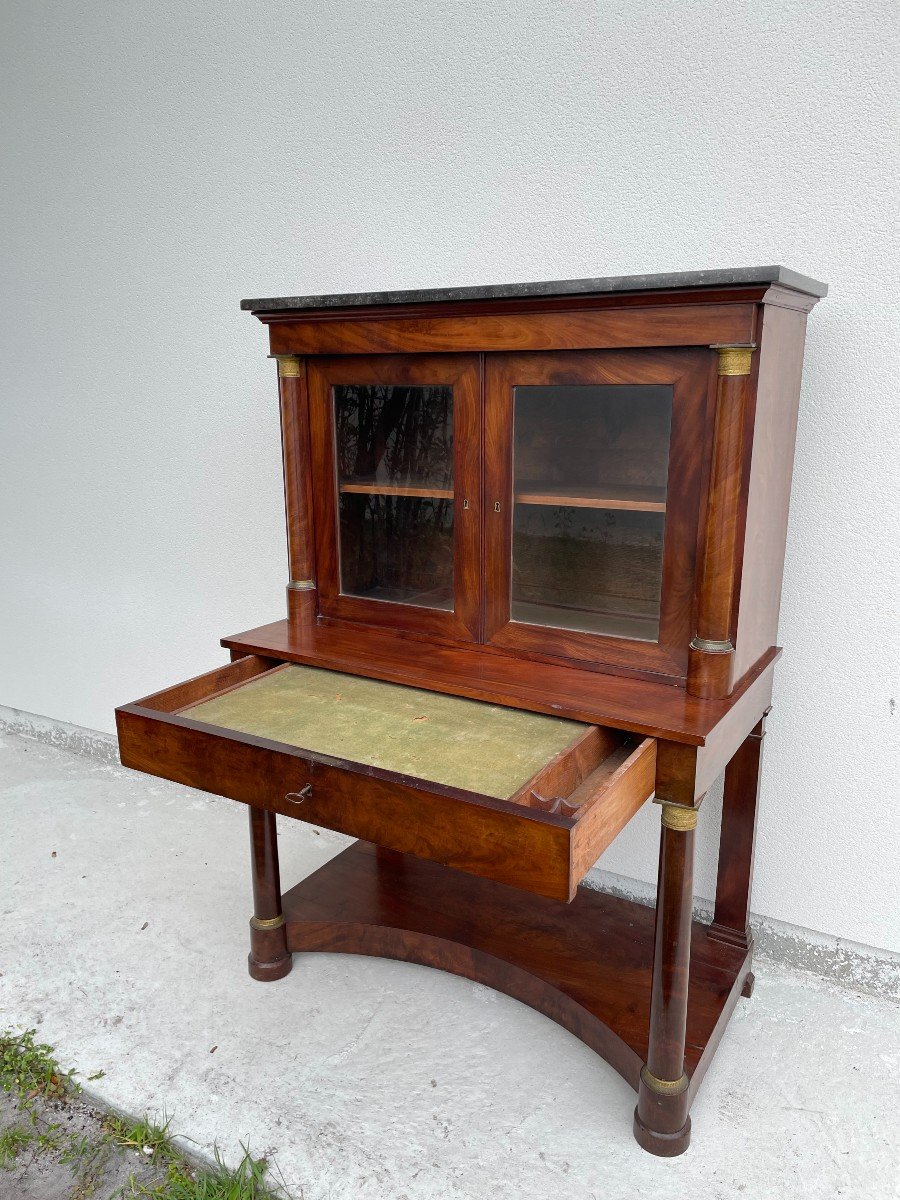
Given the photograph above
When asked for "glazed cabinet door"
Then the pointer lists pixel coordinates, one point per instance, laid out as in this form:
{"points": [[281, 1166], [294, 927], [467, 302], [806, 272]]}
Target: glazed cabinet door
{"points": [[396, 447], [593, 469]]}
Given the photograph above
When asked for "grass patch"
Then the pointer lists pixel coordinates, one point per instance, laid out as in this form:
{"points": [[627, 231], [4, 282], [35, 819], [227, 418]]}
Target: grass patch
{"points": [[32, 1076], [246, 1181], [142, 1136], [12, 1141], [28, 1069]]}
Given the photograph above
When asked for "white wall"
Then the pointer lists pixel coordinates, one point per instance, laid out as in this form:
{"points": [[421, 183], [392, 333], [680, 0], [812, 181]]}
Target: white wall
{"points": [[161, 161]]}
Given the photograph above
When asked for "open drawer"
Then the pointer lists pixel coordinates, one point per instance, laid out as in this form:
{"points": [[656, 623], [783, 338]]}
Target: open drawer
{"points": [[522, 798]]}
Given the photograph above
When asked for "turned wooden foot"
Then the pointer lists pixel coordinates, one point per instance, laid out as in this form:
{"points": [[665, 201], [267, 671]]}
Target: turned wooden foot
{"points": [[663, 1145], [265, 971], [269, 958]]}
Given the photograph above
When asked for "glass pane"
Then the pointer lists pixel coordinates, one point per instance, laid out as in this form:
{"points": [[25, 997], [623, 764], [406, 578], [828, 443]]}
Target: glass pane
{"points": [[394, 448], [590, 468]]}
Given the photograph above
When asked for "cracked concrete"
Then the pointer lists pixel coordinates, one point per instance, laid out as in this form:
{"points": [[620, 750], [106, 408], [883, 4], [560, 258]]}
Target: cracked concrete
{"points": [[124, 939]]}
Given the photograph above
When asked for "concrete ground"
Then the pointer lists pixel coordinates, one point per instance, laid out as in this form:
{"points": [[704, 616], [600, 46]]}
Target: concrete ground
{"points": [[124, 938]]}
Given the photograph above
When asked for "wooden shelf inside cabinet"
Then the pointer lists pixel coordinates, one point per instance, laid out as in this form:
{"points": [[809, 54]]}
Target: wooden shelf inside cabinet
{"points": [[370, 488], [557, 616], [634, 498]]}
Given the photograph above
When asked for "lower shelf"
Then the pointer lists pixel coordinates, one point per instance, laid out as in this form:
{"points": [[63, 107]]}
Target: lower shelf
{"points": [[555, 616], [586, 965]]}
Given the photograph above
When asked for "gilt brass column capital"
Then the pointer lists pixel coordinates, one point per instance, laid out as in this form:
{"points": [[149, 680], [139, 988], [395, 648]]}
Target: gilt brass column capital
{"points": [[679, 817], [288, 365], [735, 359]]}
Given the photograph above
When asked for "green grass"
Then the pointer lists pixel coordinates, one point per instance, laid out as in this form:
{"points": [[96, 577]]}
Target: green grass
{"points": [[246, 1181], [30, 1073], [12, 1141], [29, 1069], [142, 1136]]}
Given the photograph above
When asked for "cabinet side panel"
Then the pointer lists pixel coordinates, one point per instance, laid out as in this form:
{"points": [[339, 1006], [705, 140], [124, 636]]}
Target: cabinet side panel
{"points": [[771, 465]]}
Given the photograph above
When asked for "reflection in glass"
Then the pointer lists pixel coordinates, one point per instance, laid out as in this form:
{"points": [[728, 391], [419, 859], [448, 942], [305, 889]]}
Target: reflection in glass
{"points": [[394, 446], [397, 548], [590, 489]]}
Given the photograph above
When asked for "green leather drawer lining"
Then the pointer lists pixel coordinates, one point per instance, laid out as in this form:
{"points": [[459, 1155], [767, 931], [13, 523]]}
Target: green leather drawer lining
{"points": [[444, 739]]}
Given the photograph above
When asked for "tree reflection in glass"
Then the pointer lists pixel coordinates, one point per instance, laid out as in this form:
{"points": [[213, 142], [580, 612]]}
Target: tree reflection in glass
{"points": [[395, 480]]}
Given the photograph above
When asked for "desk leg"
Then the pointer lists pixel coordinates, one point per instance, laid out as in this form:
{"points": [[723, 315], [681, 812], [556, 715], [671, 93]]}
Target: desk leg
{"points": [[661, 1121], [269, 957], [731, 921]]}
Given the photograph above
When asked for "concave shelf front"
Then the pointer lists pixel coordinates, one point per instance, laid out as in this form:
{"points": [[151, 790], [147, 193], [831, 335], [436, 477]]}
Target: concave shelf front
{"points": [[586, 965], [634, 498]]}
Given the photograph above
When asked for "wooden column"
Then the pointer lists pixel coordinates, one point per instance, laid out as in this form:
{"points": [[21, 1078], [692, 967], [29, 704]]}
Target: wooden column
{"points": [[711, 655], [731, 921], [269, 957], [661, 1121], [301, 588]]}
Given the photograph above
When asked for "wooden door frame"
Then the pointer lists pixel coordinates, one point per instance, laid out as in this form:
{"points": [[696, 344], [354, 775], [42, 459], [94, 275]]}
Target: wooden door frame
{"points": [[691, 374], [462, 372]]}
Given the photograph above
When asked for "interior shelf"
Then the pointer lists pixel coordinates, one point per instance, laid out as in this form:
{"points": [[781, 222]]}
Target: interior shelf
{"points": [[635, 498], [370, 488], [625, 625]]}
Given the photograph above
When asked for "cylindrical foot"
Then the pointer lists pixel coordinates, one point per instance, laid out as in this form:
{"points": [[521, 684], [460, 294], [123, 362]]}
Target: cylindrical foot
{"points": [[269, 956], [268, 971], [661, 1121], [663, 1145]]}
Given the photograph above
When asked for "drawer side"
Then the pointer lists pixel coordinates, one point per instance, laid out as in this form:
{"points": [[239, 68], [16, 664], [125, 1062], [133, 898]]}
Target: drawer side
{"points": [[617, 799]]}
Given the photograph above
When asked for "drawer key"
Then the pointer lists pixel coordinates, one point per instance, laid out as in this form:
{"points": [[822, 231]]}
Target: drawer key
{"points": [[298, 797]]}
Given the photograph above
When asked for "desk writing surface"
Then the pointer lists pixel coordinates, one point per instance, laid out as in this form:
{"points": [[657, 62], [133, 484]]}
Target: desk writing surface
{"points": [[461, 743]]}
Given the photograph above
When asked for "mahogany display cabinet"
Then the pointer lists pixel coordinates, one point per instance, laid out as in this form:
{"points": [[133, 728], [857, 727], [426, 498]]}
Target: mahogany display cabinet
{"points": [[536, 536]]}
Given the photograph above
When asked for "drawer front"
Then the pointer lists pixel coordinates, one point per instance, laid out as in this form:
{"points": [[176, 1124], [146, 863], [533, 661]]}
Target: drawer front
{"points": [[543, 838], [529, 851]]}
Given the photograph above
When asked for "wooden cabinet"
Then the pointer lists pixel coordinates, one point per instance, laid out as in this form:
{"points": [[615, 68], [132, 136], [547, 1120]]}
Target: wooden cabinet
{"points": [[622, 507], [535, 540], [536, 502]]}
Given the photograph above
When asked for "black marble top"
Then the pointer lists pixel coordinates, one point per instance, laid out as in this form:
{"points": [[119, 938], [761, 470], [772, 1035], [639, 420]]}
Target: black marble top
{"points": [[564, 287]]}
